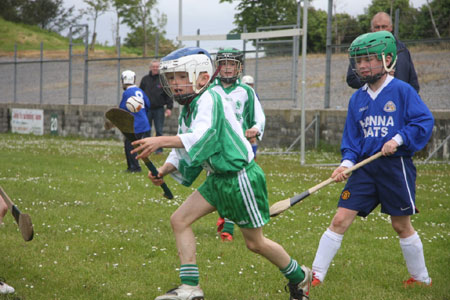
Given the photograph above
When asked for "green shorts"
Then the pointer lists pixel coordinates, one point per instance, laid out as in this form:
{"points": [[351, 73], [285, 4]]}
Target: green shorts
{"points": [[240, 197]]}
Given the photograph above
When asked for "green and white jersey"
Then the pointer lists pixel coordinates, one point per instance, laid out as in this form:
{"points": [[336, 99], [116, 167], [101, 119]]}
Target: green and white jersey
{"points": [[245, 103], [212, 138]]}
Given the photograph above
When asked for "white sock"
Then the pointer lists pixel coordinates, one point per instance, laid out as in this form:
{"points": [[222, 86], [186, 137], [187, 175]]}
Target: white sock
{"points": [[415, 262], [328, 246]]}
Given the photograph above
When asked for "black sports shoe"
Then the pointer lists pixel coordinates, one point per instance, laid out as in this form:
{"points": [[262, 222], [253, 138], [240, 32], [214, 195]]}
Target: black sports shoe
{"points": [[300, 291]]}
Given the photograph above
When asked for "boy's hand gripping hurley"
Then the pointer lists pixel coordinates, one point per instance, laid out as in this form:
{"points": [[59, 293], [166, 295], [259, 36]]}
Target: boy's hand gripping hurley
{"points": [[124, 121]]}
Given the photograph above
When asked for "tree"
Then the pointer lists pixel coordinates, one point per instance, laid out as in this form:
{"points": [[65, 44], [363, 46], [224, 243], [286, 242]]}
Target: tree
{"points": [[94, 10], [118, 6], [11, 10], [47, 14], [255, 14], [136, 14]]}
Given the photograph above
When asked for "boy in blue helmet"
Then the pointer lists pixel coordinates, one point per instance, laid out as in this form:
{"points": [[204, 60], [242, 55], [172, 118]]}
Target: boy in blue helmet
{"points": [[209, 137], [386, 115]]}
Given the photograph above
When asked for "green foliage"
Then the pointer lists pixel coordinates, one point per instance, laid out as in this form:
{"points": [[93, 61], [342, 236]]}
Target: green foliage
{"points": [[47, 14], [413, 23], [101, 233]]}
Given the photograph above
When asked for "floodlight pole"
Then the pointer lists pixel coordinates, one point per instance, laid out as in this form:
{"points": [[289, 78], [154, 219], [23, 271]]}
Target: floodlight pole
{"points": [[304, 31], [180, 19], [328, 56]]}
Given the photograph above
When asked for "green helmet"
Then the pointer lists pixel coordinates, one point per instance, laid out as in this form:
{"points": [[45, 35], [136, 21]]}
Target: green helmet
{"points": [[381, 43], [374, 43], [230, 54]]}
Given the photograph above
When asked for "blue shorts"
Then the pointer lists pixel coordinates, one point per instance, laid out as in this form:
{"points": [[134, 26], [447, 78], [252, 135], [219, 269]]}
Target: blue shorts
{"points": [[389, 181]]}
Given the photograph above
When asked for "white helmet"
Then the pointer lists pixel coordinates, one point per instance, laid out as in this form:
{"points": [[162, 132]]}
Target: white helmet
{"points": [[128, 77], [247, 79], [192, 60]]}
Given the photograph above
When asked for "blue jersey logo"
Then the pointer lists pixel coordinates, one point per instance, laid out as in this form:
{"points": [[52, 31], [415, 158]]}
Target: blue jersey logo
{"points": [[389, 107]]}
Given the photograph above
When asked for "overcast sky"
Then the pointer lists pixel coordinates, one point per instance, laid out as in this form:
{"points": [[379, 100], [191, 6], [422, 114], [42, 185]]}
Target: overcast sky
{"points": [[210, 16]]}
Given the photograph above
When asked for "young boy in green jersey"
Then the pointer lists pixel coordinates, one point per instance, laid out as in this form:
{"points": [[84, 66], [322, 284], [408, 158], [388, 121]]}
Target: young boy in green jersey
{"points": [[209, 137], [246, 106]]}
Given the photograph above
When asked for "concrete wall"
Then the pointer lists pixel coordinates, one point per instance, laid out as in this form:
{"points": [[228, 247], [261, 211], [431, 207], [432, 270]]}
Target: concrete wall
{"points": [[282, 126]]}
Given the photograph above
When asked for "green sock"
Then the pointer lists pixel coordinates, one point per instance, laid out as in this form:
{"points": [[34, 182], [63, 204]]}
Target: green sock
{"points": [[293, 272], [189, 274], [228, 226]]}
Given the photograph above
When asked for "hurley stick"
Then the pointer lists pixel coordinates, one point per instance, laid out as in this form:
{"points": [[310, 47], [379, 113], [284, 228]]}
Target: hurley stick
{"points": [[23, 220], [280, 206], [124, 121]]}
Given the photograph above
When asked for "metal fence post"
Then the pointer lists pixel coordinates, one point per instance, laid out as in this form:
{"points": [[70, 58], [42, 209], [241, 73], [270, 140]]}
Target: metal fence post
{"points": [[70, 66], [198, 41], [41, 70], [244, 44], [118, 70], [316, 130], [397, 21], [156, 44], [15, 72], [86, 70]]}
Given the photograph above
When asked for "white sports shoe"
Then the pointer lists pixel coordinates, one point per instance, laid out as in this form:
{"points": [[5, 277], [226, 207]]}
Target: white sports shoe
{"points": [[6, 289], [183, 292]]}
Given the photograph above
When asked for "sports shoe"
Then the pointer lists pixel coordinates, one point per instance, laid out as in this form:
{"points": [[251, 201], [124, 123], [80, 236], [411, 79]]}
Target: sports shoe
{"points": [[6, 289], [300, 291], [411, 282], [316, 281], [220, 224], [183, 292], [226, 237]]}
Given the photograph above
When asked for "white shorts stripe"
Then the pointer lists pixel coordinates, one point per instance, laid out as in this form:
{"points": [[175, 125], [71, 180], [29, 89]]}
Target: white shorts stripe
{"points": [[407, 186], [249, 199], [253, 199]]}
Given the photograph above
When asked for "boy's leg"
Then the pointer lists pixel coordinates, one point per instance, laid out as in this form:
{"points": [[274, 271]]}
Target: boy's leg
{"points": [[412, 249], [299, 277], [132, 162], [3, 209], [227, 230], [191, 210], [330, 242]]}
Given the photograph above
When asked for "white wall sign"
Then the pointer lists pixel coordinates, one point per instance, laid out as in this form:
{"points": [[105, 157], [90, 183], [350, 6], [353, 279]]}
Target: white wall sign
{"points": [[27, 121]]}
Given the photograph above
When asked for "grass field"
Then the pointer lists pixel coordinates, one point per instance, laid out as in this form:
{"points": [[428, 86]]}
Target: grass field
{"points": [[101, 233]]}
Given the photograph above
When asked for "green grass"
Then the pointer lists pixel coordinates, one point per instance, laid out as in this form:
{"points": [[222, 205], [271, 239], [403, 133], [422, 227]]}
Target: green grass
{"points": [[101, 233], [29, 38]]}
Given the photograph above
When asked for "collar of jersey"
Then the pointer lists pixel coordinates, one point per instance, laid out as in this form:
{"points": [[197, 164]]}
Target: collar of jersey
{"points": [[373, 95]]}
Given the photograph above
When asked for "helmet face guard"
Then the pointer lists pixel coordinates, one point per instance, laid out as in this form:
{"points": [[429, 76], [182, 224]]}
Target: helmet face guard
{"points": [[375, 44], [188, 63], [231, 61]]}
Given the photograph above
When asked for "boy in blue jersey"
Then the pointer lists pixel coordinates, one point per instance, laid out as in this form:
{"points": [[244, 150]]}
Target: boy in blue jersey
{"points": [[210, 137], [141, 124], [386, 115]]}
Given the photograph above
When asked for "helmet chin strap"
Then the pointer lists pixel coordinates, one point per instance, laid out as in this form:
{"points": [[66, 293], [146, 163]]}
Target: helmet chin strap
{"points": [[388, 69]]}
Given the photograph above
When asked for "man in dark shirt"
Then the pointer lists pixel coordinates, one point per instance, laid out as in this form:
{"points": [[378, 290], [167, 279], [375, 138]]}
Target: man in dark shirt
{"points": [[161, 103], [404, 69]]}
